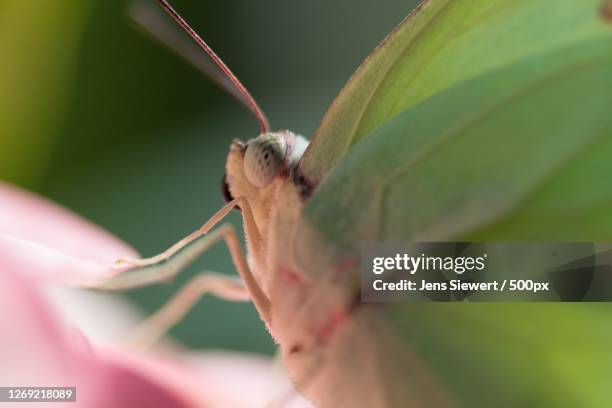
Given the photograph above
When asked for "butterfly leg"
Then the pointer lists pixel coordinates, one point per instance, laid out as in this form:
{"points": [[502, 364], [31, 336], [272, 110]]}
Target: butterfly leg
{"points": [[203, 230], [222, 286], [148, 271], [154, 274]]}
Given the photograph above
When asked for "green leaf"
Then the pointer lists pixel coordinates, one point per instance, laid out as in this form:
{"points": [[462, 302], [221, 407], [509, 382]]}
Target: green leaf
{"points": [[39, 41], [441, 44]]}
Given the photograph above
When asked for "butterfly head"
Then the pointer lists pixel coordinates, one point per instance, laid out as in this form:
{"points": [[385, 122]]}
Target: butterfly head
{"points": [[254, 166]]}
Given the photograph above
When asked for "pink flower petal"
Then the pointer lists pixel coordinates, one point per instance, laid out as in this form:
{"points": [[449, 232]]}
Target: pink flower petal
{"points": [[53, 242], [102, 317], [49, 264], [260, 381], [35, 352], [218, 379]]}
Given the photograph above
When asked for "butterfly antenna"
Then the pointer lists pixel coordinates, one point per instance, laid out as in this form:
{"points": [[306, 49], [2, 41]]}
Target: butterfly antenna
{"points": [[259, 115]]}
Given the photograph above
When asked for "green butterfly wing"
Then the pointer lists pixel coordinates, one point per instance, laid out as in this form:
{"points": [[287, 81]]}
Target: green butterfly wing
{"points": [[505, 156], [523, 152], [443, 42], [513, 354]]}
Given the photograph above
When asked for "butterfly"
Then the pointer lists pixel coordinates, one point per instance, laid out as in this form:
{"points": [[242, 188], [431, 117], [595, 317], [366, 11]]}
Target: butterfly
{"points": [[474, 121]]}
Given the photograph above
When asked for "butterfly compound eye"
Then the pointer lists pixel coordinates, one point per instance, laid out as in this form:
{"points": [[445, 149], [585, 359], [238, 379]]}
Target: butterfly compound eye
{"points": [[264, 159]]}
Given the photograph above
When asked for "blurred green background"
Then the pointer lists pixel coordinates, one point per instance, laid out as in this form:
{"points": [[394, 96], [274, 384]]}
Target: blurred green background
{"points": [[104, 120]]}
